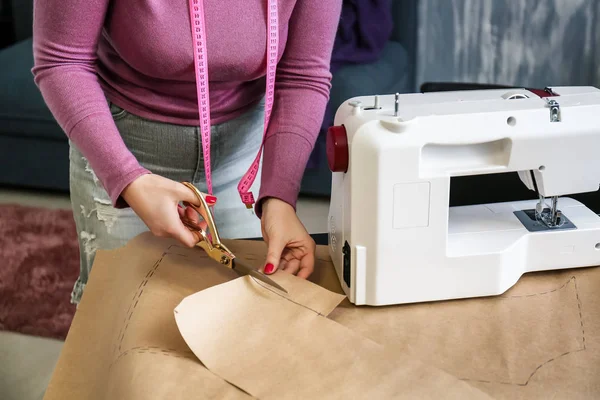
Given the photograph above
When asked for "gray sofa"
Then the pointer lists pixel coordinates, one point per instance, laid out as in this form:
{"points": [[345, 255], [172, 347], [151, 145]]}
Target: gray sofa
{"points": [[34, 149]]}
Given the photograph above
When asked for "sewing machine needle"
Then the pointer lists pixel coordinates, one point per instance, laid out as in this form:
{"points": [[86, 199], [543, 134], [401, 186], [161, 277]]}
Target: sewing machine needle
{"points": [[553, 215]]}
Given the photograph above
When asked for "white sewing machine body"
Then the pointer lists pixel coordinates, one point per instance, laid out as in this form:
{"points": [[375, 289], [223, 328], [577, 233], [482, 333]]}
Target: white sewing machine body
{"points": [[393, 237]]}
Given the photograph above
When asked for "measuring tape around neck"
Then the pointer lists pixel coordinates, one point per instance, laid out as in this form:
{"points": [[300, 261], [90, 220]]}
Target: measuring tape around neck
{"points": [[201, 70]]}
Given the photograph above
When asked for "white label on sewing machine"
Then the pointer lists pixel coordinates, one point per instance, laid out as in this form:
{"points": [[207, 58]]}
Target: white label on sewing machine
{"points": [[411, 205]]}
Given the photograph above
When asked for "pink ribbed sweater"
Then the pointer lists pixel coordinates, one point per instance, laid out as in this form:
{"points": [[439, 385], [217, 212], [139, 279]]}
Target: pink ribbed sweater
{"points": [[139, 54]]}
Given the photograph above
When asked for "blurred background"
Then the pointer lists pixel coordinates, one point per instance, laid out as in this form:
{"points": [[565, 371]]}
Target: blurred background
{"points": [[382, 47]]}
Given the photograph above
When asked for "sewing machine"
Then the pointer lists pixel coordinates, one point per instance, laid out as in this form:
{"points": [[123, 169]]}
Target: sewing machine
{"points": [[393, 237]]}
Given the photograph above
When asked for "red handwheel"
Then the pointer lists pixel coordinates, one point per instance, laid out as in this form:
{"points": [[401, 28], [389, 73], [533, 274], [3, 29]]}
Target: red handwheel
{"points": [[337, 149]]}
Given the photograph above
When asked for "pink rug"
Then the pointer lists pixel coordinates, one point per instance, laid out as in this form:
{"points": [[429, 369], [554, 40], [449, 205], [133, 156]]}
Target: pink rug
{"points": [[39, 263]]}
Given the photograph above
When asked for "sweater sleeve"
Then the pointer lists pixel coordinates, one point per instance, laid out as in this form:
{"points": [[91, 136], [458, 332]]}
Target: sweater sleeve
{"points": [[303, 82], [65, 38]]}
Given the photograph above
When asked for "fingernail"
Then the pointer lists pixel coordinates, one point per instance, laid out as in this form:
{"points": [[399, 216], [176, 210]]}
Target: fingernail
{"points": [[269, 268], [179, 206], [211, 199]]}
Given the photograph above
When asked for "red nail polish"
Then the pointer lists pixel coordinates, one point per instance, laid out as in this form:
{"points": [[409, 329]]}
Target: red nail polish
{"points": [[179, 206], [211, 199], [269, 268]]}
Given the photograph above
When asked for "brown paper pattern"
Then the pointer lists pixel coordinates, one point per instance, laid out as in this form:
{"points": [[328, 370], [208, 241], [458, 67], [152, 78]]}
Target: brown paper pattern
{"points": [[538, 340]]}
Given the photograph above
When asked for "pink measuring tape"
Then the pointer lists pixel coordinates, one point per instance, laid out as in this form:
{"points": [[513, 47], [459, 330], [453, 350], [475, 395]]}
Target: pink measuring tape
{"points": [[201, 67]]}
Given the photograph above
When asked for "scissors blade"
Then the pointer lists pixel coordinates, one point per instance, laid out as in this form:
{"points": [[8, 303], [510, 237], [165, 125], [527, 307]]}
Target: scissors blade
{"points": [[245, 269]]}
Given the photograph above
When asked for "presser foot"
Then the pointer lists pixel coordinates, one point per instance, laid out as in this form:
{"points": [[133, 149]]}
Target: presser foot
{"points": [[547, 219], [551, 217]]}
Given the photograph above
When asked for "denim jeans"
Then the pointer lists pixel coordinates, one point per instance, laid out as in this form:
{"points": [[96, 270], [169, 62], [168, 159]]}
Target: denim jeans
{"points": [[174, 152]]}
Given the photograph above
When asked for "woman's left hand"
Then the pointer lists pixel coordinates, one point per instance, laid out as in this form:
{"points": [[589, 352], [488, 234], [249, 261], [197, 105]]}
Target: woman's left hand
{"points": [[290, 247]]}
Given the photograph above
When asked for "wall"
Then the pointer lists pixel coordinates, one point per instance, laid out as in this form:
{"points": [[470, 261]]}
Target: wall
{"points": [[512, 42]]}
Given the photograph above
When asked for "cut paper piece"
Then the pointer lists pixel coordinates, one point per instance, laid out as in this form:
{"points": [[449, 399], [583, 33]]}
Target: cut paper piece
{"points": [[305, 293], [274, 347]]}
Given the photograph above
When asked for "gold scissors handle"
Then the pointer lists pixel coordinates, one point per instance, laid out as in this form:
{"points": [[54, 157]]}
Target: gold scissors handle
{"points": [[211, 242], [212, 245]]}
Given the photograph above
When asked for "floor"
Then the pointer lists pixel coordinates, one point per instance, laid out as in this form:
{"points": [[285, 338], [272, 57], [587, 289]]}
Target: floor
{"points": [[27, 362]]}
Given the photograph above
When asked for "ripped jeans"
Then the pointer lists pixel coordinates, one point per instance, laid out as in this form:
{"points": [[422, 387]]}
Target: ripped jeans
{"points": [[172, 151]]}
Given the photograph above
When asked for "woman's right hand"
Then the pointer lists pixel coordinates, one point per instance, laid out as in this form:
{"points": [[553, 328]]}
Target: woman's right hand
{"points": [[155, 200]]}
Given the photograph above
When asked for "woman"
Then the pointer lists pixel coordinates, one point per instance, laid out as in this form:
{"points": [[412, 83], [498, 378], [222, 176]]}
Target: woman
{"points": [[120, 78]]}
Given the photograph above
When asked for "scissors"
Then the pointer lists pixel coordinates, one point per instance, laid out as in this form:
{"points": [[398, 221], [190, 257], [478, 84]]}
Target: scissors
{"points": [[211, 242]]}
